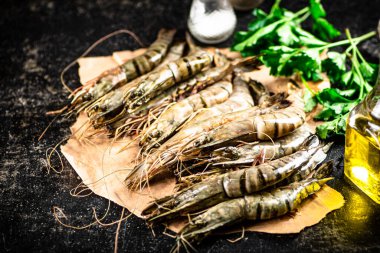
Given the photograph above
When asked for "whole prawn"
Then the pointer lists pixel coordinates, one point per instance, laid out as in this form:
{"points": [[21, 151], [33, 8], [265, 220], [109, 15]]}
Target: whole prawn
{"points": [[126, 72], [177, 114], [255, 207], [257, 127], [103, 110], [181, 91], [172, 73], [246, 154], [236, 183], [304, 172], [167, 154]]}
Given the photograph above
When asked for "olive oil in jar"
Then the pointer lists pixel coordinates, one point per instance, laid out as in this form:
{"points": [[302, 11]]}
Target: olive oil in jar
{"points": [[362, 152], [362, 162]]}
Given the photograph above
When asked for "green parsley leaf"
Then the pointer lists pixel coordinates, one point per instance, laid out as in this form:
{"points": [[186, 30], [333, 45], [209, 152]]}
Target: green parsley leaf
{"points": [[260, 21], [310, 101], [306, 38], [347, 93], [285, 61], [316, 9], [347, 78], [334, 127], [324, 29], [286, 36], [331, 94], [334, 66], [335, 110], [369, 71]]}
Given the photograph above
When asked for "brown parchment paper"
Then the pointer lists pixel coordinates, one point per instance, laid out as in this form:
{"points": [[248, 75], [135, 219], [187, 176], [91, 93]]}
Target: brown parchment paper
{"points": [[101, 166]]}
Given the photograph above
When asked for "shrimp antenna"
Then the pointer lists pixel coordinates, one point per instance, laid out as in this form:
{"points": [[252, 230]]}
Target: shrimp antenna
{"points": [[94, 45], [48, 126], [71, 64]]}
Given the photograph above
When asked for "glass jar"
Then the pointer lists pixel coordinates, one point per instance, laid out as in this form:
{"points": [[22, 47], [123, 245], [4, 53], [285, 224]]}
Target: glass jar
{"points": [[362, 151], [211, 21]]}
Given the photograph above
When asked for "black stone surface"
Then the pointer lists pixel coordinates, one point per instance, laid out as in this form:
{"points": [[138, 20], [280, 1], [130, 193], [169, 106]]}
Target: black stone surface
{"points": [[37, 39]]}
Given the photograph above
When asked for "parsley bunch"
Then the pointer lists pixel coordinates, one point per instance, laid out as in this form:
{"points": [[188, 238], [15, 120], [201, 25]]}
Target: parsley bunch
{"points": [[288, 49], [282, 27], [349, 86]]}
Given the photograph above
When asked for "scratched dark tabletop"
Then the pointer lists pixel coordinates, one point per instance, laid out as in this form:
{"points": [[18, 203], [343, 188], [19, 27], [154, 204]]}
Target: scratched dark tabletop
{"points": [[37, 39]]}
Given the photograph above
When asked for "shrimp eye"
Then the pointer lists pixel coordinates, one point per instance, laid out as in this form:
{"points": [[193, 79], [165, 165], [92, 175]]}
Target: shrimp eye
{"points": [[231, 152], [197, 143], [138, 92], [207, 139], [155, 133], [235, 154], [133, 94], [103, 108], [87, 96], [228, 149]]}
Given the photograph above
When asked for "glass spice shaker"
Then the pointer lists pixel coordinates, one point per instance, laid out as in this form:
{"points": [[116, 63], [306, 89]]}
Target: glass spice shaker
{"points": [[362, 148], [211, 21]]}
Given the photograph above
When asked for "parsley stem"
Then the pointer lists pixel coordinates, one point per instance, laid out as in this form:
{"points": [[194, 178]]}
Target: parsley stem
{"points": [[303, 18], [355, 64], [307, 85], [348, 41], [302, 11], [361, 57]]}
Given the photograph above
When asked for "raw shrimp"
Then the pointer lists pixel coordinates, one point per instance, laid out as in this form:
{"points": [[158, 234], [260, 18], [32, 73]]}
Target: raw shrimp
{"points": [[172, 73], [177, 114], [235, 183], [240, 93], [259, 206], [112, 103], [167, 154], [143, 116], [246, 154], [174, 94], [259, 127], [128, 71], [303, 173]]}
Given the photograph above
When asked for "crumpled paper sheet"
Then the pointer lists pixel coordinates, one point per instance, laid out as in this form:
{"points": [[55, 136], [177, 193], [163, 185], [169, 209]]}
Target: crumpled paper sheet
{"points": [[101, 166]]}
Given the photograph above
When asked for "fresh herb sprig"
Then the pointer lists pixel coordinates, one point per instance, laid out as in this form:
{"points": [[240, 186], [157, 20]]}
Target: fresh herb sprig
{"points": [[287, 49], [283, 27], [349, 88], [286, 61]]}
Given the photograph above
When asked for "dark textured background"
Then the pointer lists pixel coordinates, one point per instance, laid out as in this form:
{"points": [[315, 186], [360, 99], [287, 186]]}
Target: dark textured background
{"points": [[37, 39]]}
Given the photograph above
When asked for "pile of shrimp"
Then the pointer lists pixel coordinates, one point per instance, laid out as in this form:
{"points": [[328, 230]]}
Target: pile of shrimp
{"points": [[238, 151]]}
